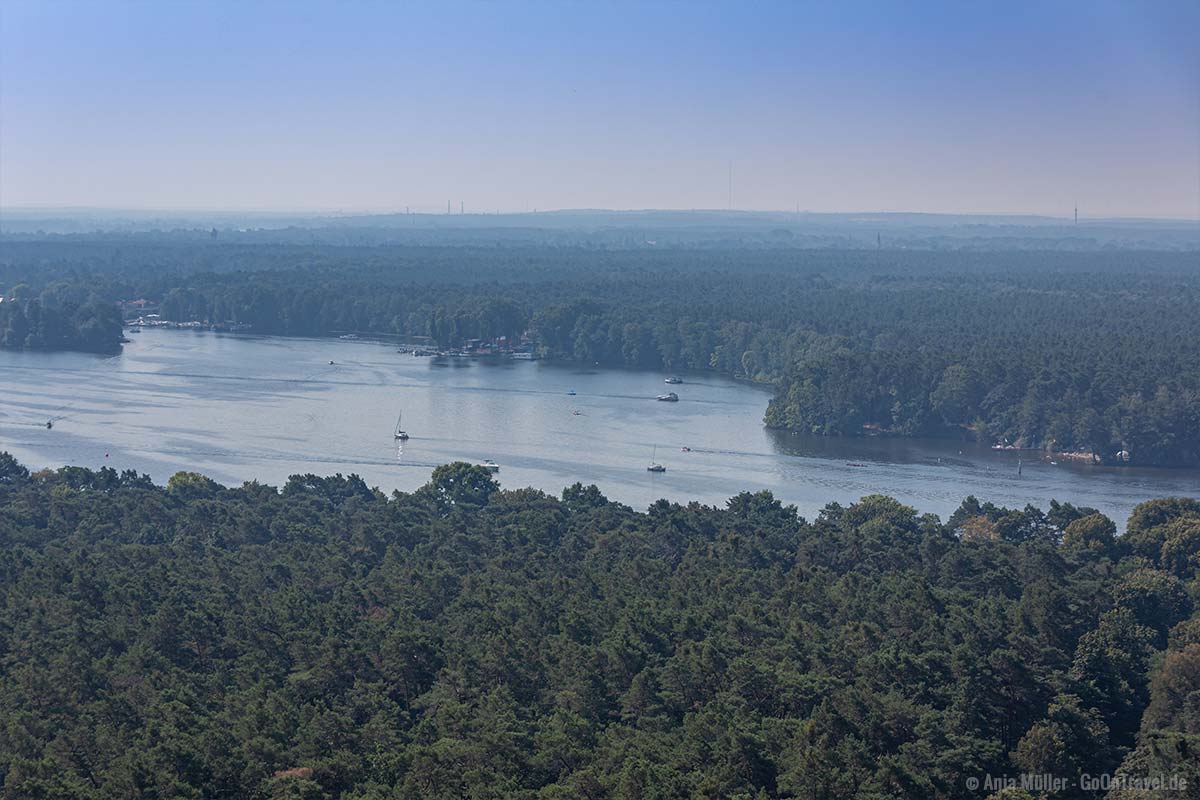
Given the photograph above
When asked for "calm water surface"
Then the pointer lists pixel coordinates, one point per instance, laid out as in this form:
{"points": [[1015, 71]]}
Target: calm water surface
{"points": [[239, 408]]}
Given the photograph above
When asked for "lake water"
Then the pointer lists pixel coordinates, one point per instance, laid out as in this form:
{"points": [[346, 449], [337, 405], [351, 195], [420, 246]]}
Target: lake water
{"points": [[241, 407]]}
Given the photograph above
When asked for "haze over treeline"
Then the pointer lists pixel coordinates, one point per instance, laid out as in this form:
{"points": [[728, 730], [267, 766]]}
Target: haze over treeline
{"points": [[620, 229]]}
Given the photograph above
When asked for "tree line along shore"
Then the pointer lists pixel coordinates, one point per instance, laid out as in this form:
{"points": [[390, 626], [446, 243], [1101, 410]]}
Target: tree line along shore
{"points": [[1088, 353]]}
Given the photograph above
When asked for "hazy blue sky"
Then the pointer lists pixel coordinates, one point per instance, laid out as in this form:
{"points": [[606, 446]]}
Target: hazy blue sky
{"points": [[957, 106]]}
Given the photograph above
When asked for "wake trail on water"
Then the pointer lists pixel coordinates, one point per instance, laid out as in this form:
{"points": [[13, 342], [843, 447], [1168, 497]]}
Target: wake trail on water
{"points": [[232, 457], [381, 380]]}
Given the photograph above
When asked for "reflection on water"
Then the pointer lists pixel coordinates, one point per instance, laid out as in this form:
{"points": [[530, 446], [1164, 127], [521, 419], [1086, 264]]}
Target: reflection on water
{"points": [[241, 408]]}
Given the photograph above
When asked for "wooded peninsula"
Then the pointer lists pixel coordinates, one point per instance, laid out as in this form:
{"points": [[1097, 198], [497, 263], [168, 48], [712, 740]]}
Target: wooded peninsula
{"points": [[1094, 354]]}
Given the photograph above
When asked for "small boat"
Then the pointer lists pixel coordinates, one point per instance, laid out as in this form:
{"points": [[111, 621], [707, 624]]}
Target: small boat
{"points": [[673, 380], [489, 465], [331, 362], [577, 413], [669, 397], [49, 424], [854, 464], [685, 449], [571, 392], [654, 465], [400, 434]]}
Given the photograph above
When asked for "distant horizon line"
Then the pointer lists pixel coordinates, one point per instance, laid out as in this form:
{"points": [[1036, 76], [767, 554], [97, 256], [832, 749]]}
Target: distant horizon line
{"points": [[424, 211]]}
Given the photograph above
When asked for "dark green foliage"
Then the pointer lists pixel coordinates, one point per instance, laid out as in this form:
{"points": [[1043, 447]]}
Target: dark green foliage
{"points": [[58, 321], [1168, 744], [1095, 532], [326, 641], [1157, 599], [1066, 743], [460, 484], [12, 471]]}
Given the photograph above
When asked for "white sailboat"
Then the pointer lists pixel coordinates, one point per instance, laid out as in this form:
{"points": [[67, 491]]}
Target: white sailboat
{"points": [[654, 465], [400, 435]]}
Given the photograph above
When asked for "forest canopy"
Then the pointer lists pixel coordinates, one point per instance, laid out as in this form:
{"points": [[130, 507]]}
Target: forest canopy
{"points": [[323, 640], [65, 317]]}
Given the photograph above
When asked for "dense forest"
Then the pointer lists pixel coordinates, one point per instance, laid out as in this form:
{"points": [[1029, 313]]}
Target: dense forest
{"points": [[326, 641], [1088, 352], [62, 317]]}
